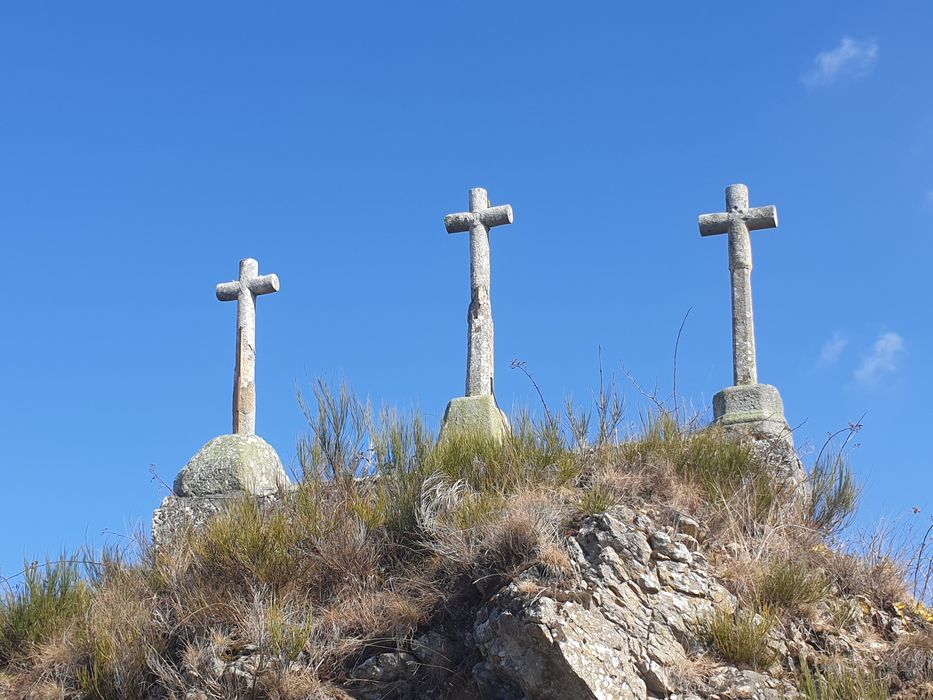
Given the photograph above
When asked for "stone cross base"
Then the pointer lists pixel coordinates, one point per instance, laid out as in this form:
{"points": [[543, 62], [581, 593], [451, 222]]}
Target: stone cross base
{"points": [[178, 515], [755, 413], [478, 415], [755, 408], [227, 467]]}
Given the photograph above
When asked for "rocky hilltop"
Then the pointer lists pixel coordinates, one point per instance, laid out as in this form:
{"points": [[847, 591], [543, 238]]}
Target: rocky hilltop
{"points": [[680, 563]]}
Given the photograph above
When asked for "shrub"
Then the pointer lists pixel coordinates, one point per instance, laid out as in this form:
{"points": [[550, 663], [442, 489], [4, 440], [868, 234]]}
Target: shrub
{"points": [[597, 498], [788, 584], [339, 427], [839, 682], [709, 466], [912, 657], [742, 636], [50, 595], [728, 472], [834, 493], [244, 546]]}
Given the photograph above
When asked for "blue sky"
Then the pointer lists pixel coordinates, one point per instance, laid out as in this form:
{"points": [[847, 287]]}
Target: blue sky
{"points": [[145, 148]]}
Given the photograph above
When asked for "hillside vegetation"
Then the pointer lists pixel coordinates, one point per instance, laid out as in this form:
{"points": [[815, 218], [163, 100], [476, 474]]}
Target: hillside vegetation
{"points": [[391, 534]]}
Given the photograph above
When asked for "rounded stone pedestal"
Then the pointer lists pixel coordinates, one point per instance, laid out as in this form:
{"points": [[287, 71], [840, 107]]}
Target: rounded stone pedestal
{"points": [[476, 415], [232, 463], [227, 467]]}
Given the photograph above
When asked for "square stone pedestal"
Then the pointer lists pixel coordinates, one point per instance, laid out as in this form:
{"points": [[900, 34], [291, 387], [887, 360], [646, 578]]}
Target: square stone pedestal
{"points": [[757, 408], [755, 412], [477, 415]]}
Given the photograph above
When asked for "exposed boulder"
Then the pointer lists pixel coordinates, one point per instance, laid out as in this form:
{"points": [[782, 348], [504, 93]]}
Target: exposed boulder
{"points": [[621, 631], [625, 626]]}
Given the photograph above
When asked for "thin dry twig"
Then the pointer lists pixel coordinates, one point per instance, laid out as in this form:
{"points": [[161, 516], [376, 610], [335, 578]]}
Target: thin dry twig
{"points": [[522, 366], [676, 349]]}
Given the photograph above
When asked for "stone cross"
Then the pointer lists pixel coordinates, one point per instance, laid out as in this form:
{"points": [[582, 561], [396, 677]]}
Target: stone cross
{"points": [[244, 292], [480, 341], [737, 221]]}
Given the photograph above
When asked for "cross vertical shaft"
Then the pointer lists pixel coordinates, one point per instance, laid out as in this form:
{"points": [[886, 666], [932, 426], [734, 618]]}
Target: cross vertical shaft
{"points": [[737, 221], [480, 331], [480, 380], [244, 373], [244, 291], [744, 358]]}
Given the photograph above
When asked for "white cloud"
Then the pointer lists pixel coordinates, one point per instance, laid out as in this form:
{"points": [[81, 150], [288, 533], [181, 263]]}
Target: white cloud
{"points": [[833, 348], [883, 358], [851, 59]]}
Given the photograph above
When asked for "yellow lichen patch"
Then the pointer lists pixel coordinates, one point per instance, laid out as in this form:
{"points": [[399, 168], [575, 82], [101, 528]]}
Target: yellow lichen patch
{"points": [[923, 611]]}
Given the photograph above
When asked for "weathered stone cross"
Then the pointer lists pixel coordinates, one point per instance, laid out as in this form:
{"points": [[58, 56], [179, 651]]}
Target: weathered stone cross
{"points": [[480, 340], [737, 221], [244, 292]]}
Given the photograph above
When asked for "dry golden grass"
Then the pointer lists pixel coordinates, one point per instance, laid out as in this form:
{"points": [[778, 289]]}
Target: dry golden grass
{"points": [[690, 675], [912, 657], [880, 579], [346, 566], [838, 679]]}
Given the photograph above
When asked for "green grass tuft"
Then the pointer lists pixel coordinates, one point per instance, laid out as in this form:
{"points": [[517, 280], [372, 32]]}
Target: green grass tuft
{"points": [[742, 636], [789, 584], [837, 682], [834, 493], [50, 595], [721, 470], [596, 499]]}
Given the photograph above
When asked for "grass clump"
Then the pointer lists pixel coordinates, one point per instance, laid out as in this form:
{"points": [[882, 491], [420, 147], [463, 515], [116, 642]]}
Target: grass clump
{"points": [[535, 454], [50, 596], [246, 546], [596, 499], [113, 642], [841, 682], [742, 636], [729, 472], [701, 469], [874, 574], [912, 657], [834, 493], [789, 584]]}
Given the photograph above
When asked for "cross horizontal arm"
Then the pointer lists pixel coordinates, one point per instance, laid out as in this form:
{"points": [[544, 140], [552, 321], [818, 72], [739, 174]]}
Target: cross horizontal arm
{"points": [[228, 291], [497, 216], [761, 217], [712, 224], [755, 218], [264, 284], [489, 217], [458, 223]]}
